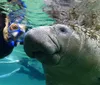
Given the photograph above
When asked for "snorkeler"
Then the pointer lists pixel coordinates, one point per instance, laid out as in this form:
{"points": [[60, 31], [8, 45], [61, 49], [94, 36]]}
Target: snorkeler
{"points": [[10, 31], [14, 29]]}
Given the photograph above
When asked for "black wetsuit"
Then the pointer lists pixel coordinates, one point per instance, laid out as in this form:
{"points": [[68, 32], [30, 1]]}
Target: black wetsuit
{"points": [[5, 48]]}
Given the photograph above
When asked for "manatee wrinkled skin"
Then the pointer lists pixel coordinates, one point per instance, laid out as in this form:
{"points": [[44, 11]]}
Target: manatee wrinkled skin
{"points": [[68, 58]]}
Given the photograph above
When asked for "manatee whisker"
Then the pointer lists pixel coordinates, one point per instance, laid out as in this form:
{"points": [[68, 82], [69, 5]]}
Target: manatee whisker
{"points": [[55, 42]]}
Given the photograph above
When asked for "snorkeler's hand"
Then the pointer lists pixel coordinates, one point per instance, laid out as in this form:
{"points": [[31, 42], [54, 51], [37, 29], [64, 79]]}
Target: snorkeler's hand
{"points": [[5, 34], [5, 31]]}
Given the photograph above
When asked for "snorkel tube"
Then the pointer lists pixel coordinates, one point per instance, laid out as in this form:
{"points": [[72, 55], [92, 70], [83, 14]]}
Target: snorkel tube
{"points": [[20, 2], [19, 14]]}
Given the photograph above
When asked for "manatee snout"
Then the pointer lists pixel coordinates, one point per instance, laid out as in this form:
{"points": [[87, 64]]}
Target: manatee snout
{"points": [[41, 44], [49, 43]]}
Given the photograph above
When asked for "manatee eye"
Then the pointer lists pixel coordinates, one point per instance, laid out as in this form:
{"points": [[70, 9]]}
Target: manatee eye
{"points": [[62, 29]]}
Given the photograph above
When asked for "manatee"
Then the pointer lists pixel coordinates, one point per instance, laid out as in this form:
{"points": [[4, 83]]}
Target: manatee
{"points": [[68, 57]]}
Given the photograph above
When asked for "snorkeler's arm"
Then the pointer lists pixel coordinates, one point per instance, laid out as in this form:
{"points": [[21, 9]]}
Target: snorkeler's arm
{"points": [[5, 31], [7, 21]]}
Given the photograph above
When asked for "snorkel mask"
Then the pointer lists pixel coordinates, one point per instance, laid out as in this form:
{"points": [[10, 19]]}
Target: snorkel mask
{"points": [[14, 35]]}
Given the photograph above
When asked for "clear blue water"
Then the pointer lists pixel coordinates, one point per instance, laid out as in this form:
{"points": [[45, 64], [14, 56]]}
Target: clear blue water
{"points": [[36, 17]]}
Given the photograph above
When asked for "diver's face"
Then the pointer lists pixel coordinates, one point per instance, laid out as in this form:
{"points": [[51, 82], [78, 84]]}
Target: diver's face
{"points": [[13, 26], [14, 31]]}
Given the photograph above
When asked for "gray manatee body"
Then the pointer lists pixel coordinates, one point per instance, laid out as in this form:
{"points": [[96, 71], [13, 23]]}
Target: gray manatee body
{"points": [[68, 58]]}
